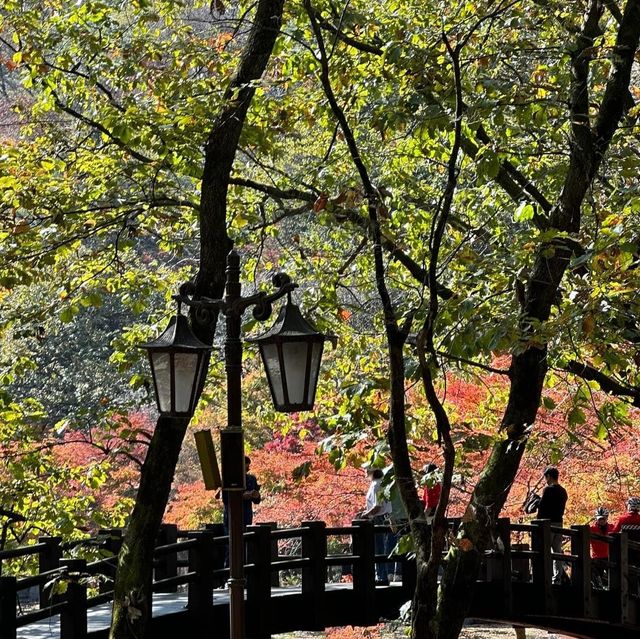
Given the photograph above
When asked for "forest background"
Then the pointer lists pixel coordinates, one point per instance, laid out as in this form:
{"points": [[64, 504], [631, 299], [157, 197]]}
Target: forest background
{"points": [[454, 186]]}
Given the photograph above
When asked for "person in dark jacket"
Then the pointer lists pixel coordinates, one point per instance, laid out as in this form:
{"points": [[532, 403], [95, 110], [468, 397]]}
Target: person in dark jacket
{"points": [[250, 496], [551, 506]]}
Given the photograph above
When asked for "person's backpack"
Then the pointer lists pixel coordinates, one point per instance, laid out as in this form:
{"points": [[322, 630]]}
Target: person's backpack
{"points": [[531, 503]]}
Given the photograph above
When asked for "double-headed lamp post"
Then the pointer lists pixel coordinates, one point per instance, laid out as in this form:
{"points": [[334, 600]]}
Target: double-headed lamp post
{"points": [[291, 351]]}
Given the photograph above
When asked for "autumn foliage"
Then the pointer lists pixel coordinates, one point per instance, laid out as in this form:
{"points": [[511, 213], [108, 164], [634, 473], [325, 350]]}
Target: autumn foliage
{"points": [[94, 474]]}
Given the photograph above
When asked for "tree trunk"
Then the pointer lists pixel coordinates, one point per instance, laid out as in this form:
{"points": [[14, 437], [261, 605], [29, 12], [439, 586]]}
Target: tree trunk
{"points": [[529, 365], [133, 596], [132, 591]]}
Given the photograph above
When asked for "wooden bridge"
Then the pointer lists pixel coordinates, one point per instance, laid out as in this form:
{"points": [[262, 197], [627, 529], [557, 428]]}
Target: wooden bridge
{"points": [[313, 577]]}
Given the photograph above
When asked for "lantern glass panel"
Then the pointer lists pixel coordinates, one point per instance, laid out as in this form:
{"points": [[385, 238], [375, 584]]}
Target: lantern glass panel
{"points": [[272, 366], [201, 376], [186, 365], [294, 355], [316, 355], [161, 364]]}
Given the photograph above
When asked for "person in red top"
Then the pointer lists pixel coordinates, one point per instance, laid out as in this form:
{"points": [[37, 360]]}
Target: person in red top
{"points": [[629, 522], [600, 549], [601, 526], [431, 491]]}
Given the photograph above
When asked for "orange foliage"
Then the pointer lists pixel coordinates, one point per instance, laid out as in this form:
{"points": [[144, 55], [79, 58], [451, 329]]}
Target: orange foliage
{"points": [[192, 505], [594, 472], [327, 494], [355, 632]]}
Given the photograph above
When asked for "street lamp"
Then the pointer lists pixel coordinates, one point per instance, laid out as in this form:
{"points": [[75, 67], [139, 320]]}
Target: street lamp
{"points": [[291, 352], [179, 362]]}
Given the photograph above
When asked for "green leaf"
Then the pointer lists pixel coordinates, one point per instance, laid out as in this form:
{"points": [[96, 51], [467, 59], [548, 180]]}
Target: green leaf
{"points": [[524, 212], [548, 403]]}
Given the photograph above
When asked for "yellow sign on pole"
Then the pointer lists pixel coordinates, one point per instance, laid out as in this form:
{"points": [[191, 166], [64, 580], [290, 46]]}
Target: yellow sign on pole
{"points": [[208, 461]]}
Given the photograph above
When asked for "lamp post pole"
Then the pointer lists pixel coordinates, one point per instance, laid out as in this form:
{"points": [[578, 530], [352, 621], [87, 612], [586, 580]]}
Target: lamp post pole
{"points": [[291, 352], [233, 306], [233, 366]]}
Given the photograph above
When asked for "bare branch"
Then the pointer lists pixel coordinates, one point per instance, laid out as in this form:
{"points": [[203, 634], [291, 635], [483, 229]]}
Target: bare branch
{"points": [[470, 362], [100, 127], [606, 383], [343, 37]]}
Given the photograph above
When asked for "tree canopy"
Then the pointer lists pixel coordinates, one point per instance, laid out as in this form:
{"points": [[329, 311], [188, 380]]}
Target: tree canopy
{"points": [[454, 184]]}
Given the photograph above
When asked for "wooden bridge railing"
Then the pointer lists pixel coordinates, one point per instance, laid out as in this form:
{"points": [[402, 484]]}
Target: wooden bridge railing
{"points": [[522, 557]]}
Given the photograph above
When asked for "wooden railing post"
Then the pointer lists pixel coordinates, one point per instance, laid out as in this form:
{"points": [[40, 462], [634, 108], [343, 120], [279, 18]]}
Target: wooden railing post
{"points": [[49, 559], [200, 592], [112, 539], [217, 530], [619, 576], [275, 575], [259, 582], [167, 565], [364, 571], [8, 593], [541, 563], [581, 571], [409, 575], [73, 617], [504, 570], [314, 576]]}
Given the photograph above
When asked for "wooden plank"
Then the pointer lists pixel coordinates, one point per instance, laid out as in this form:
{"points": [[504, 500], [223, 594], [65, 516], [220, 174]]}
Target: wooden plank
{"points": [[49, 559], [364, 572], [8, 592], [619, 580], [200, 593], [166, 565], [73, 617]]}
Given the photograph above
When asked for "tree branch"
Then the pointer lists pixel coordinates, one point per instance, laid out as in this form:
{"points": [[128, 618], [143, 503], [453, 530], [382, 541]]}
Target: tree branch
{"points": [[617, 100], [470, 362], [606, 383], [352, 42], [100, 127], [614, 10], [274, 191]]}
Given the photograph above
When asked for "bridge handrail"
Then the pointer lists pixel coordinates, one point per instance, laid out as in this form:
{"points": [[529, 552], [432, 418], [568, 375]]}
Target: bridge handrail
{"points": [[177, 546], [288, 533], [36, 580], [22, 551], [342, 560], [100, 599], [39, 615], [178, 580], [521, 527], [335, 531], [203, 557], [294, 563]]}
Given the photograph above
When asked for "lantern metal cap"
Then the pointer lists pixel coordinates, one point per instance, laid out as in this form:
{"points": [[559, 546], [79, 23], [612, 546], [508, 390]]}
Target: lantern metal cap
{"points": [[179, 336], [291, 323]]}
